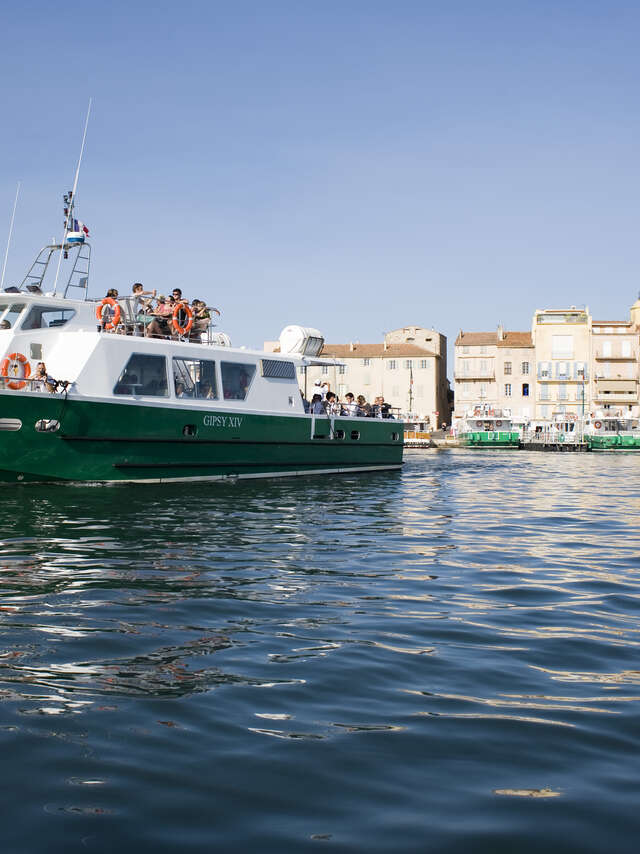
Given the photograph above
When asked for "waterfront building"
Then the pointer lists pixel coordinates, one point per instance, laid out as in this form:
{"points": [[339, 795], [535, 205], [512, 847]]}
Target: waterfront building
{"points": [[408, 368], [496, 369], [568, 364]]}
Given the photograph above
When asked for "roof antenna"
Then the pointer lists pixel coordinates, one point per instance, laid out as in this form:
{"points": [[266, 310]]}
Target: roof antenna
{"points": [[72, 196], [6, 254]]}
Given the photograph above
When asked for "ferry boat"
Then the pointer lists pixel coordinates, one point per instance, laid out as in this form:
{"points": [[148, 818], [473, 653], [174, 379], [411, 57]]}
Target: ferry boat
{"points": [[608, 431], [488, 427], [115, 406]]}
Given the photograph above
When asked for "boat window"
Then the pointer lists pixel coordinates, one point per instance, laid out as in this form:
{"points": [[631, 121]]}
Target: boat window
{"points": [[9, 314], [195, 378], [42, 317], [236, 379], [143, 374]]}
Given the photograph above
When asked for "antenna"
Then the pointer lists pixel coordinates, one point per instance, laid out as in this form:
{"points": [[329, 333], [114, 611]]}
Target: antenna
{"points": [[71, 196], [6, 254]]}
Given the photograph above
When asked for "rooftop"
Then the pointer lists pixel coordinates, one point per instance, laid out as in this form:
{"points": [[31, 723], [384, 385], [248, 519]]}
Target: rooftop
{"points": [[509, 339], [374, 351]]}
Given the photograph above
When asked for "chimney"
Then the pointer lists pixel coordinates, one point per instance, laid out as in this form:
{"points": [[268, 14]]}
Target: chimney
{"points": [[385, 345], [352, 346], [500, 332]]}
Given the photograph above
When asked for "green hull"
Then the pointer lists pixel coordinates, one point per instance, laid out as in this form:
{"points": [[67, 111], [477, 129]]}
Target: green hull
{"points": [[490, 439], [613, 443], [121, 442]]}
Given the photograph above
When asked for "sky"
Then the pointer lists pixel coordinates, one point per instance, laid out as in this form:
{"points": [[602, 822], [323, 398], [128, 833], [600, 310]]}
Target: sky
{"points": [[346, 165]]}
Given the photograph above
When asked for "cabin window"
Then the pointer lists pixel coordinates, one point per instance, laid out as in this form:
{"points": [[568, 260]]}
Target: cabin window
{"points": [[236, 379], [43, 317], [195, 378], [9, 314], [144, 374], [278, 369]]}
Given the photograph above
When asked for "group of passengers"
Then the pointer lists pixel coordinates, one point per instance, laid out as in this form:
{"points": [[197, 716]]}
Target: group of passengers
{"points": [[326, 402], [155, 313]]}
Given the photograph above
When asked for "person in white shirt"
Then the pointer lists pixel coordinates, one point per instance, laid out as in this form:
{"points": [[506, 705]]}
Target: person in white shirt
{"points": [[350, 406]]}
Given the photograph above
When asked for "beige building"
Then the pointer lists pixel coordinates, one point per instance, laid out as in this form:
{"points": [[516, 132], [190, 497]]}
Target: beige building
{"points": [[408, 368], [568, 363], [495, 368]]}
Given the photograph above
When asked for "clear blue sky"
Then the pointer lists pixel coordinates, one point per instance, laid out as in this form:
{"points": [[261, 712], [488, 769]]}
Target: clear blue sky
{"points": [[354, 166]]}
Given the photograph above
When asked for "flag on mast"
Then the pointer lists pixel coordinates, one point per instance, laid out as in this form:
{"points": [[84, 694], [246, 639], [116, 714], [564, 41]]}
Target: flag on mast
{"points": [[80, 226]]}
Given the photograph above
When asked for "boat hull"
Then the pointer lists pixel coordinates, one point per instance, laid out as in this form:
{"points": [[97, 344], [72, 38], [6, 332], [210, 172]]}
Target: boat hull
{"points": [[613, 443], [490, 439], [104, 441]]}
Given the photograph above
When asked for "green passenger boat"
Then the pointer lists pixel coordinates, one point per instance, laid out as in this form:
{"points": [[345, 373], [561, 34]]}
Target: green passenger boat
{"points": [[125, 407], [488, 427], [606, 432]]}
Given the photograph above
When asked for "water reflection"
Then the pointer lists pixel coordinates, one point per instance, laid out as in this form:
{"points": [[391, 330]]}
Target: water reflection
{"points": [[432, 639]]}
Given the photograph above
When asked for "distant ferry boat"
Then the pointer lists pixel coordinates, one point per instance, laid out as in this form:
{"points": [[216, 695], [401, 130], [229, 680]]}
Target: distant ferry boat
{"points": [[604, 431], [488, 427], [125, 407]]}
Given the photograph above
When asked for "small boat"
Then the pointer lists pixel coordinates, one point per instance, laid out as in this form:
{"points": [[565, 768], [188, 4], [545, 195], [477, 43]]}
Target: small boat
{"points": [[488, 427], [607, 431], [117, 406]]}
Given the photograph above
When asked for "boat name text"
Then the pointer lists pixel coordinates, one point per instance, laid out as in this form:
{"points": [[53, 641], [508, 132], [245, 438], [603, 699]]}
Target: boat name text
{"points": [[222, 421]]}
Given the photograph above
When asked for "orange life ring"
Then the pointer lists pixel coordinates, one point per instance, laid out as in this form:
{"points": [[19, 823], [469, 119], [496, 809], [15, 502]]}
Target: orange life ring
{"points": [[116, 312], [182, 306], [16, 365], [597, 424]]}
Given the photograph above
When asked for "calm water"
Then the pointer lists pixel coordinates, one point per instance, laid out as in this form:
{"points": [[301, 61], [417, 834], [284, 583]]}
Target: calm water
{"points": [[443, 659]]}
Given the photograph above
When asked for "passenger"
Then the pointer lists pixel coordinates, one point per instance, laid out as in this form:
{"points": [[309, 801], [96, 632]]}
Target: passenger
{"points": [[201, 319], [332, 404], [180, 389], [364, 408], [305, 403], [39, 377], [317, 407], [4, 324], [350, 407], [107, 312], [385, 408], [160, 319], [206, 391]]}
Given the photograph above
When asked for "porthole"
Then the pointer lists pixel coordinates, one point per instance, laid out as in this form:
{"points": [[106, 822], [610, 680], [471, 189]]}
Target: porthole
{"points": [[355, 434], [339, 434], [395, 437], [189, 430], [47, 425], [11, 424]]}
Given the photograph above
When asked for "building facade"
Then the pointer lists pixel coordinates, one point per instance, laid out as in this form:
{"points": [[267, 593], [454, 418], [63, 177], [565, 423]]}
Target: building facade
{"points": [[568, 364], [408, 368]]}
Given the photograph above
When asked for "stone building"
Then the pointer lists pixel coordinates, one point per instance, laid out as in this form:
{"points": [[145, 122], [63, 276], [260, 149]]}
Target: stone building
{"points": [[568, 364], [408, 368]]}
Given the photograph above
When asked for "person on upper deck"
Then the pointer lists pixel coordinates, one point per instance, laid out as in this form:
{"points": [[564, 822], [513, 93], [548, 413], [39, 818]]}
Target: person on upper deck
{"points": [[159, 327], [317, 406], [364, 408]]}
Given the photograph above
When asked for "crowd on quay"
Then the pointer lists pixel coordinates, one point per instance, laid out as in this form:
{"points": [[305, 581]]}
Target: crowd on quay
{"points": [[155, 314], [326, 402]]}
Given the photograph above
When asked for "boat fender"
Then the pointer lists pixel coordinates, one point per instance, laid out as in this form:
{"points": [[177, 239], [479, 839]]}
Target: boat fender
{"points": [[182, 306], [597, 424], [19, 367], [116, 312]]}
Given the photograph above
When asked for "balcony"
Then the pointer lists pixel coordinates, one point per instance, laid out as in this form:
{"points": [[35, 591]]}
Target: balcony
{"points": [[600, 357], [475, 375]]}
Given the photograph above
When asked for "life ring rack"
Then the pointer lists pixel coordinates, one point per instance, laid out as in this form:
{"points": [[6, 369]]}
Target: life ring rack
{"points": [[182, 306], [15, 362], [111, 324]]}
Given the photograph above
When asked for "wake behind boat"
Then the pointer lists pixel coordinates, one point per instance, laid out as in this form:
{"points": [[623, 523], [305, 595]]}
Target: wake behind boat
{"points": [[183, 407]]}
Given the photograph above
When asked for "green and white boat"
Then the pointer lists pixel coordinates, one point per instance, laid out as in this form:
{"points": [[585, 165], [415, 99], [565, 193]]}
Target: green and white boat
{"points": [[488, 427], [606, 431], [132, 408]]}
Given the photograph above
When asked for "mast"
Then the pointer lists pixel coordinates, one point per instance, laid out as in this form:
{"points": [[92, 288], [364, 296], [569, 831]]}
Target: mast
{"points": [[6, 254], [70, 197]]}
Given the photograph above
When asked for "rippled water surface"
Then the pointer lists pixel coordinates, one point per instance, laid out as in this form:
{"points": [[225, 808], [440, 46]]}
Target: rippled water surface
{"points": [[443, 659]]}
